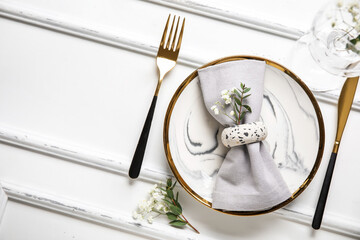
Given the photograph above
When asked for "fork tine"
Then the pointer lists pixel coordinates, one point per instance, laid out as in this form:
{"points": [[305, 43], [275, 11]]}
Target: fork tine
{"points": [[164, 33], [174, 39], [170, 33], [180, 36]]}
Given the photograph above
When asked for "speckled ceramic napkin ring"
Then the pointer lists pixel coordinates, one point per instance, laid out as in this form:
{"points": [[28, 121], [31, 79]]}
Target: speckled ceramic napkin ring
{"points": [[243, 134]]}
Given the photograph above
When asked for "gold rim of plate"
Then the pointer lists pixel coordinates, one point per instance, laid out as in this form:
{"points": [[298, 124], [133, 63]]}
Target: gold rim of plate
{"points": [[197, 196]]}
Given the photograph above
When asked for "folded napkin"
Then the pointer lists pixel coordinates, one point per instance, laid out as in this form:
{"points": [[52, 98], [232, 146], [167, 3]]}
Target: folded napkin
{"points": [[248, 179]]}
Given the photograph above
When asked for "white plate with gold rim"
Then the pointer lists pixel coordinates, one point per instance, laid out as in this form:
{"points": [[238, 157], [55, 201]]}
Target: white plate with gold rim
{"points": [[295, 133]]}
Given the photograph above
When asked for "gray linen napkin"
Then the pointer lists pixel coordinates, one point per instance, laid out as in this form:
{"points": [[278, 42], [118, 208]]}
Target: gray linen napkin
{"points": [[248, 179]]}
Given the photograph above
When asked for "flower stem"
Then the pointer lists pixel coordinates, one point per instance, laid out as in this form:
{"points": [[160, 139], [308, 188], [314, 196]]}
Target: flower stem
{"points": [[233, 119], [190, 224], [184, 218], [241, 100]]}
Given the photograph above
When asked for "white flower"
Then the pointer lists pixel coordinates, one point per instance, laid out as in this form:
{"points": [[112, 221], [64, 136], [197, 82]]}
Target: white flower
{"points": [[154, 188], [226, 98], [224, 92], [157, 196], [150, 219], [151, 204], [215, 109], [142, 205], [340, 3], [233, 89], [146, 206], [166, 209], [232, 113], [228, 101], [135, 215], [159, 206], [163, 207]]}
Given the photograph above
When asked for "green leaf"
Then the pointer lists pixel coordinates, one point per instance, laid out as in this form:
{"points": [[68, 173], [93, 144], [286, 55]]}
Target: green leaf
{"points": [[173, 185], [171, 216], [236, 107], [237, 93], [246, 96], [355, 40], [236, 110], [247, 107], [168, 202], [237, 101], [178, 205], [177, 197], [175, 210], [242, 85], [177, 223], [242, 115], [169, 182], [246, 90], [170, 193]]}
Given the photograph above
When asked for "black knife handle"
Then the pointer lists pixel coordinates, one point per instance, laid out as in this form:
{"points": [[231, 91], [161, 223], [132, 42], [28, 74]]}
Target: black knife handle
{"points": [[324, 193], [141, 146]]}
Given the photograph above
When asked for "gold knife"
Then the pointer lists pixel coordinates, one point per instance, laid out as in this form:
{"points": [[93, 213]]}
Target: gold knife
{"points": [[344, 105]]}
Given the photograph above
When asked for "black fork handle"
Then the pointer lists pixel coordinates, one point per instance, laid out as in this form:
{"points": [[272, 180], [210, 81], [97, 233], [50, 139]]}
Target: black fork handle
{"points": [[324, 193], [137, 160]]}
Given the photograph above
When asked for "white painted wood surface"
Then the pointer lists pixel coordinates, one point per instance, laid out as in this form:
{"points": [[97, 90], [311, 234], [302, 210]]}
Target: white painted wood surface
{"points": [[71, 112], [3, 202]]}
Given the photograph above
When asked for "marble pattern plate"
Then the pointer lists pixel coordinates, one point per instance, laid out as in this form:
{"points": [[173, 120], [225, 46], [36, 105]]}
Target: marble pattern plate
{"points": [[295, 133]]}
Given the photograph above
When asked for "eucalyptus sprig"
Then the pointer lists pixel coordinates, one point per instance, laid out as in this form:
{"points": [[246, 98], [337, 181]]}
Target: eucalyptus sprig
{"points": [[234, 100], [163, 201], [175, 213]]}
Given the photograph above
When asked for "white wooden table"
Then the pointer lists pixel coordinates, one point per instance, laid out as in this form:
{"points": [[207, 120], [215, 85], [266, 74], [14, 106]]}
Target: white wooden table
{"points": [[75, 77]]}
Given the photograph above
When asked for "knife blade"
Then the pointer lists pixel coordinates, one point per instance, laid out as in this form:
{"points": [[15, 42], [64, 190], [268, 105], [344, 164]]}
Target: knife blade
{"points": [[344, 105]]}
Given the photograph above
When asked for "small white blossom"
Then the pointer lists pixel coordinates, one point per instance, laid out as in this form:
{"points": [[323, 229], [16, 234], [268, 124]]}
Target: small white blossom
{"points": [[339, 4], [232, 113], [215, 109], [146, 206], [224, 92], [157, 196], [135, 215], [233, 89], [159, 206], [226, 98], [156, 205], [154, 189]]}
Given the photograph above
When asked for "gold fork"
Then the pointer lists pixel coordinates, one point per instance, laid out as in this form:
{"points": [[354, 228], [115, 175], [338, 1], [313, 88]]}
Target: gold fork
{"points": [[165, 61]]}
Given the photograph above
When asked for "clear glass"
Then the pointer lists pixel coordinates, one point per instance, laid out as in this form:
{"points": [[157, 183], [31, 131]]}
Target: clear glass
{"points": [[330, 45], [327, 54]]}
